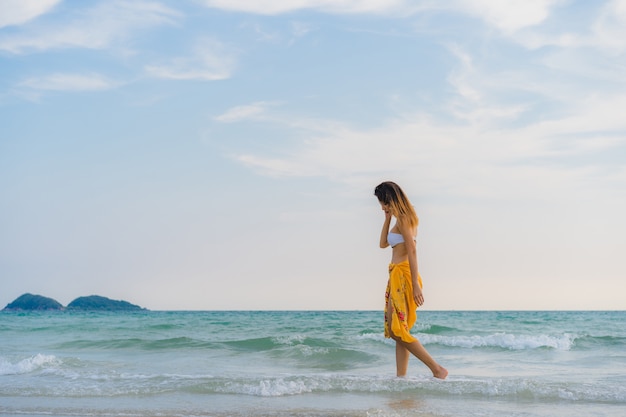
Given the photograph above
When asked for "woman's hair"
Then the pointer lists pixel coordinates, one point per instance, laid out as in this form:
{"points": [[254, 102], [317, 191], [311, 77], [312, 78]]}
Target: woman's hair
{"points": [[391, 194]]}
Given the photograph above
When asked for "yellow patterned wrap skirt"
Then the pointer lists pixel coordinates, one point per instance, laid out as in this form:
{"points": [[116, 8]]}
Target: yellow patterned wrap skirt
{"points": [[399, 299]]}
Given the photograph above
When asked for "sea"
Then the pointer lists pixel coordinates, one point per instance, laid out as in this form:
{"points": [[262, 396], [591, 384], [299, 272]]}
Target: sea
{"points": [[310, 363]]}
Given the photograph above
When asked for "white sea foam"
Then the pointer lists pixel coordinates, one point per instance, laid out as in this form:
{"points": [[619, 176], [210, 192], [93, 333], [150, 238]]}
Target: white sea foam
{"points": [[27, 365], [502, 340], [499, 340], [482, 387], [290, 339], [378, 337], [536, 389], [310, 351]]}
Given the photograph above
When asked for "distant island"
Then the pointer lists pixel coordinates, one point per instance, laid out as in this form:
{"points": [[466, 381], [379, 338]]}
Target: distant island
{"points": [[33, 302], [96, 302]]}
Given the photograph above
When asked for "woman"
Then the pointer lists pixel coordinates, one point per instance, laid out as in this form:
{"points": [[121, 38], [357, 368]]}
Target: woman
{"points": [[404, 289]]}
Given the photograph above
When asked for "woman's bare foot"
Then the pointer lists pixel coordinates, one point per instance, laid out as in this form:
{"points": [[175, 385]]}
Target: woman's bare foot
{"points": [[441, 373]]}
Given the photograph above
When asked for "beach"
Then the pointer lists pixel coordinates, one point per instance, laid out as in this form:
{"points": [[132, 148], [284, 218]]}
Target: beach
{"points": [[309, 363]]}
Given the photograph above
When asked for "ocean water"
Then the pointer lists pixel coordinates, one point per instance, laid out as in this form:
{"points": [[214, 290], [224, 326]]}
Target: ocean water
{"points": [[516, 364]]}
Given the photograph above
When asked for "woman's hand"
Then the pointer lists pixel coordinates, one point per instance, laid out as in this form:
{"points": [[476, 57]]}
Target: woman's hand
{"points": [[418, 296], [387, 214], [385, 230]]}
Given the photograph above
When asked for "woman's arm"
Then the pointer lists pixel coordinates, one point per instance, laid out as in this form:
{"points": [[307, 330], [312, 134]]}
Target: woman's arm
{"points": [[385, 231], [408, 233]]}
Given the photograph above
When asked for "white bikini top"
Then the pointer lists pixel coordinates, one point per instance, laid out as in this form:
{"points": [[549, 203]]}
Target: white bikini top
{"points": [[394, 238]]}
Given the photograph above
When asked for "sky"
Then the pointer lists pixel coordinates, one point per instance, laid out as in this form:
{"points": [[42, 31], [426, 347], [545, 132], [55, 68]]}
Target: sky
{"points": [[222, 154]]}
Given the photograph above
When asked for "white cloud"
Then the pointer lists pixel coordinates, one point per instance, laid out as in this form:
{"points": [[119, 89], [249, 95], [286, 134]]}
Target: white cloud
{"points": [[252, 111], [18, 12], [95, 28], [463, 160], [508, 16], [274, 112], [297, 30], [603, 29], [609, 30], [273, 7], [209, 61], [497, 142], [275, 166], [459, 78], [69, 82]]}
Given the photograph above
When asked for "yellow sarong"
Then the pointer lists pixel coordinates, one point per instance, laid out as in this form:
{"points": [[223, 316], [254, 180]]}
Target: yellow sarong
{"points": [[400, 294]]}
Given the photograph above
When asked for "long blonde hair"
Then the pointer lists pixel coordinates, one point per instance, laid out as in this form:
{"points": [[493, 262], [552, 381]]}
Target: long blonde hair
{"points": [[391, 194]]}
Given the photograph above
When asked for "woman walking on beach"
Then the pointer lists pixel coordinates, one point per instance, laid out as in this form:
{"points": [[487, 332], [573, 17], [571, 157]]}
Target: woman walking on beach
{"points": [[404, 289]]}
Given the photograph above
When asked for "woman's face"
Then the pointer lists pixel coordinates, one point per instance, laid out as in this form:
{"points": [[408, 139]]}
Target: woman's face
{"points": [[384, 207]]}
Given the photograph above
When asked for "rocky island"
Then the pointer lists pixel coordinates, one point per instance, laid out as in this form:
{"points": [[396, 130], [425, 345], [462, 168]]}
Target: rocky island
{"points": [[96, 302], [32, 302]]}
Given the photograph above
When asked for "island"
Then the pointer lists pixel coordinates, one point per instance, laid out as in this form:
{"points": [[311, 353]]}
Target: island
{"points": [[99, 303], [31, 302]]}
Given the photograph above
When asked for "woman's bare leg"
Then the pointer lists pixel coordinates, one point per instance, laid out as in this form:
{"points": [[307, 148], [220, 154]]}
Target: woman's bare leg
{"points": [[402, 354], [422, 354], [402, 359], [403, 348]]}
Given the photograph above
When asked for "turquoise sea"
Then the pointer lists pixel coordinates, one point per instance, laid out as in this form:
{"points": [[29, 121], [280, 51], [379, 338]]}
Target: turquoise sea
{"points": [[318, 363]]}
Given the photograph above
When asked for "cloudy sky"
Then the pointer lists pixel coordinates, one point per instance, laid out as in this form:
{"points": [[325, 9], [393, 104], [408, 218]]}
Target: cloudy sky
{"points": [[222, 154]]}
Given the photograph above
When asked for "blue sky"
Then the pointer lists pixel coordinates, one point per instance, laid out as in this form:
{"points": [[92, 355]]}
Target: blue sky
{"points": [[223, 154]]}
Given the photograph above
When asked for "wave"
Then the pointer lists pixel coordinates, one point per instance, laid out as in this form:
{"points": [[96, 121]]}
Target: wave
{"points": [[478, 387], [529, 389], [502, 340], [432, 335], [509, 341], [253, 344], [593, 342], [27, 365], [173, 343], [497, 340], [438, 329], [296, 350], [268, 343], [302, 351]]}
